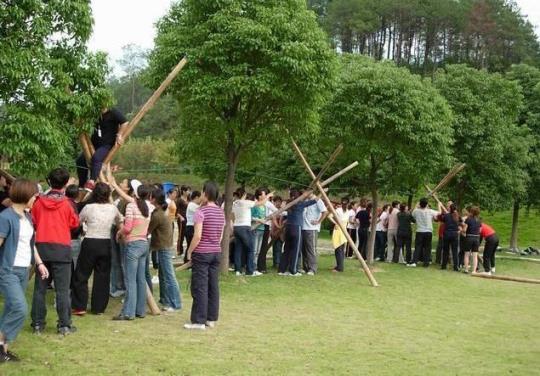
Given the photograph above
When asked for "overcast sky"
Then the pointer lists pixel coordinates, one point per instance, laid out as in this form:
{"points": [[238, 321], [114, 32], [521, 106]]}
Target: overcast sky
{"points": [[122, 22]]}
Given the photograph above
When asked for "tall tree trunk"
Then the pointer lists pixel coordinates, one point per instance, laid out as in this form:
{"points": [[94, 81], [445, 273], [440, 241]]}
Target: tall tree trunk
{"points": [[232, 163], [409, 201], [515, 223]]}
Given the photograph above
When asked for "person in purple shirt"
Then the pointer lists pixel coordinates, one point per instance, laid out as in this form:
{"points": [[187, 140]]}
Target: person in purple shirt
{"points": [[205, 254]]}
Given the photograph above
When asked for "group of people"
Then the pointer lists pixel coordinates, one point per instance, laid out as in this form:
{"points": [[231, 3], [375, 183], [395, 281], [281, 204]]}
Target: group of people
{"points": [[69, 234]]}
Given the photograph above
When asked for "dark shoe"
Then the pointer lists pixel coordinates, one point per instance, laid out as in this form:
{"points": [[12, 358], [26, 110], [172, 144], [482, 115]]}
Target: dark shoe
{"points": [[7, 356], [37, 330], [122, 318], [65, 330], [140, 316]]}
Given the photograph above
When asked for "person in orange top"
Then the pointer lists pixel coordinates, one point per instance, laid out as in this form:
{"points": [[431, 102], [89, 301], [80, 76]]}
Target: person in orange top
{"points": [[492, 243]]}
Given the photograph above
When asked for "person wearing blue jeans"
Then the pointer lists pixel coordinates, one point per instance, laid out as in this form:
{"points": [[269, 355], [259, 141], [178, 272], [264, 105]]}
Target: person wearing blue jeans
{"points": [[17, 253], [243, 244], [161, 244], [135, 260], [117, 274]]}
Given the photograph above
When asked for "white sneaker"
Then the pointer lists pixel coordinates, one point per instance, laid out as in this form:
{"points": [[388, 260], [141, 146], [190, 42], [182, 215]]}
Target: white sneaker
{"points": [[284, 274], [493, 270], [118, 293], [413, 265], [190, 326], [310, 273], [211, 324], [231, 269], [155, 280], [295, 275], [256, 274], [238, 274], [169, 309]]}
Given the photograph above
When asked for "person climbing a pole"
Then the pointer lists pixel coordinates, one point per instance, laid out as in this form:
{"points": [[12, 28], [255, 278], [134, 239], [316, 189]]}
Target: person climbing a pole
{"points": [[109, 130]]}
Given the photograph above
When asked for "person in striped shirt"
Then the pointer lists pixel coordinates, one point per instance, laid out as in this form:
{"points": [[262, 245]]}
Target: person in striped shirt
{"points": [[205, 254]]}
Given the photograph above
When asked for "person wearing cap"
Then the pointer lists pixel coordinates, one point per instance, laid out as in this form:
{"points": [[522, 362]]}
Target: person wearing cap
{"points": [[109, 130]]}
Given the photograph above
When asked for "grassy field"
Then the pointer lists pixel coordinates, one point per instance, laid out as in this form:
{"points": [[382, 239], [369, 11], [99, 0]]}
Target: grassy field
{"points": [[419, 321]]}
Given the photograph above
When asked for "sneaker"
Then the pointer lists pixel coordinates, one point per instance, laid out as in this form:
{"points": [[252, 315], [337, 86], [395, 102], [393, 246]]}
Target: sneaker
{"points": [[310, 273], [295, 274], [493, 270], [37, 330], [412, 265], [118, 293], [122, 318], [7, 356], [65, 330], [466, 271], [78, 312], [231, 269], [284, 274], [169, 309], [238, 274], [486, 273], [155, 280], [190, 326], [256, 274], [211, 324]]}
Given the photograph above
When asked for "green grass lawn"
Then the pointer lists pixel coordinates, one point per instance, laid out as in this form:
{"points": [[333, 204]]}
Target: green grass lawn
{"points": [[419, 321]]}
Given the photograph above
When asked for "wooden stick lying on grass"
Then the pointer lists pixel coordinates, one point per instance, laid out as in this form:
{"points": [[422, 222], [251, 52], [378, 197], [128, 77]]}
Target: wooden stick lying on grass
{"points": [[184, 266], [506, 278]]}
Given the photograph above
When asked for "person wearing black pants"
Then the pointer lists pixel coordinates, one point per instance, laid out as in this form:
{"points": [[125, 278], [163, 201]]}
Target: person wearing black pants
{"points": [[95, 257], [293, 235], [452, 225], [404, 235], [363, 217], [339, 252], [423, 217], [261, 260], [205, 253], [422, 248], [492, 243]]}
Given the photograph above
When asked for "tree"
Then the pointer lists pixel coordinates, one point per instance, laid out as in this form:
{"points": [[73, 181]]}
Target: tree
{"points": [[486, 108], [529, 79], [385, 114], [132, 62], [50, 86], [256, 68]]}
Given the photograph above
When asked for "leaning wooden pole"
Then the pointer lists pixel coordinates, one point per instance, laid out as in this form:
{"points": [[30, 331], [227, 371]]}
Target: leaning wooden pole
{"points": [[506, 278], [9, 178], [330, 208], [85, 148], [89, 143], [147, 107], [154, 309]]}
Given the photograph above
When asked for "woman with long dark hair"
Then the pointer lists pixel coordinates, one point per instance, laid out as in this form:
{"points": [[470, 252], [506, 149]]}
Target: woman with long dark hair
{"points": [[17, 253], [472, 238], [363, 217], [99, 216], [205, 253], [452, 224]]}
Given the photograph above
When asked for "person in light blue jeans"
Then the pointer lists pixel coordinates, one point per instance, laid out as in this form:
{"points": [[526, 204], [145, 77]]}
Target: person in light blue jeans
{"points": [[169, 290], [135, 257]]}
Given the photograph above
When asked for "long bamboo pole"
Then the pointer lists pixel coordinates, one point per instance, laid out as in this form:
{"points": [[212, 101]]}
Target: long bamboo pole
{"points": [[330, 207], [302, 197], [147, 107], [154, 309], [453, 172], [327, 165], [85, 148], [506, 278], [89, 142], [9, 178], [339, 174], [184, 266]]}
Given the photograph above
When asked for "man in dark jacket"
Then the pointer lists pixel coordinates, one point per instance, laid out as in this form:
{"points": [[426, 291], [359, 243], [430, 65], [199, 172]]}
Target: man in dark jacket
{"points": [[54, 218]]}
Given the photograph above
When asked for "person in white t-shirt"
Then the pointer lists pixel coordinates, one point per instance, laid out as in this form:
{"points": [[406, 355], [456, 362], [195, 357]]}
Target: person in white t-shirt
{"points": [[380, 235], [352, 226], [243, 235], [424, 217], [192, 206]]}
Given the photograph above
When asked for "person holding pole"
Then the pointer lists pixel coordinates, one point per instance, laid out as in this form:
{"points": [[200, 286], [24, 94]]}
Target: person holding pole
{"points": [[424, 217], [492, 243], [17, 253], [472, 238], [452, 226], [109, 130]]}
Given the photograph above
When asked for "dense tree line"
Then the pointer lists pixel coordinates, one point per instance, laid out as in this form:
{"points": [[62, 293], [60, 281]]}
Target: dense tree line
{"points": [[424, 35]]}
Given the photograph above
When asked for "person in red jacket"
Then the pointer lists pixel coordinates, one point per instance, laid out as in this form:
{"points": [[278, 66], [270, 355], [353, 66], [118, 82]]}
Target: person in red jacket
{"points": [[488, 234], [54, 218]]}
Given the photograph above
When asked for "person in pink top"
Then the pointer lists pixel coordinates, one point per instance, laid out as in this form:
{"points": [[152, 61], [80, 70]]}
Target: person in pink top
{"points": [[205, 254], [135, 233]]}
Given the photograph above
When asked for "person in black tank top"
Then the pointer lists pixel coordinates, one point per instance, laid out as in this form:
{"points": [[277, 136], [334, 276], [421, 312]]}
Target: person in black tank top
{"points": [[472, 238]]}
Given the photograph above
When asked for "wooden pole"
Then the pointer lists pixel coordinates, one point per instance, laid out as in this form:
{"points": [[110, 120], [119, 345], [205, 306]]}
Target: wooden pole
{"points": [[302, 197], [89, 143], [9, 178], [434, 195], [506, 278], [339, 174], [330, 208], [154, 309], [147, 107], [327, 165], [453, 172], [85, 148], [184, 266]]}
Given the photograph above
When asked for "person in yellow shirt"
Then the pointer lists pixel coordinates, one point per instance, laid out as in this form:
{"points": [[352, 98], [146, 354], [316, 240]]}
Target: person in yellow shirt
{"points": [[338, 237]]}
